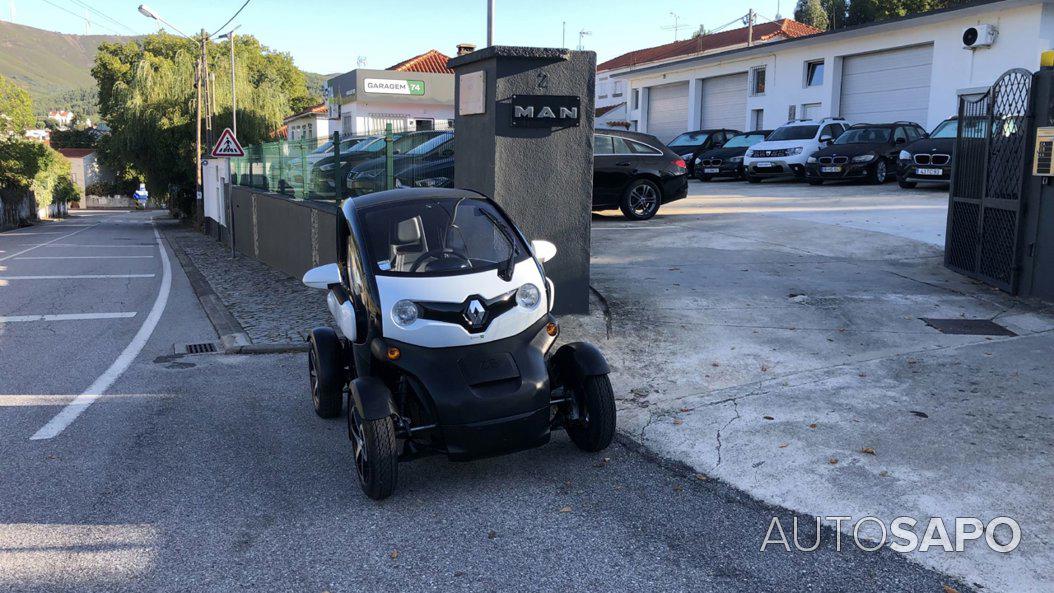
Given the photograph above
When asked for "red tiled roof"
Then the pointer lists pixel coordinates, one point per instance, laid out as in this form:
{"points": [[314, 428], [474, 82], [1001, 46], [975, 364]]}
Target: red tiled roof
{"points": [[316, 109], [781, 29], [430, 61], [75, 153], [601, 111]]}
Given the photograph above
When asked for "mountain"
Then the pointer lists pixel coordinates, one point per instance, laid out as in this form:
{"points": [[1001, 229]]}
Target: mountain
{"points": [[54, 67]]}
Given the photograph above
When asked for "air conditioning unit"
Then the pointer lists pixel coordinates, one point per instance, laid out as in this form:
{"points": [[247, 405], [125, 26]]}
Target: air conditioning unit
{"points": [[979, 36]]}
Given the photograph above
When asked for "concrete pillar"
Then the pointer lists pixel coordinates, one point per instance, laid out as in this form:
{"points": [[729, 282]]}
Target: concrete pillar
{"points": [[524, 137], [695, 104], [645, 100]]}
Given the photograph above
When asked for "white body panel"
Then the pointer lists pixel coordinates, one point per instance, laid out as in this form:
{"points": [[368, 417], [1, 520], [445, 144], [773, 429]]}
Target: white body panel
{"points": [[455, 289], [343, 314]]}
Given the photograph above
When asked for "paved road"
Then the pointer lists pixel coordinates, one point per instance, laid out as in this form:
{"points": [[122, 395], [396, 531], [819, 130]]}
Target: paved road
{"points": [[211, 472]]}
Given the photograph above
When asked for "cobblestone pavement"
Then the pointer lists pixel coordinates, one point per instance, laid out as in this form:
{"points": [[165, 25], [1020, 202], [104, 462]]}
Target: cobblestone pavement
{"points": [[271, 306]]}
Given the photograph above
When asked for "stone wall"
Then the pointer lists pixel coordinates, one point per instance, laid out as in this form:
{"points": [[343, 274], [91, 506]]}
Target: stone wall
{"points": [[17, 208]]}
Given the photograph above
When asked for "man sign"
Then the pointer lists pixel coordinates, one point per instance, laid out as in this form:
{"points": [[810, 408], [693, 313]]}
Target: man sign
{"points": [[227, 145]]}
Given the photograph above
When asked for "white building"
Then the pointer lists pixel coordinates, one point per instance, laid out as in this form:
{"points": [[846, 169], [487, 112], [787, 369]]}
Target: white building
{"points": [[913, 69], [416, 94], [61, 117], [85, 168], [311, 123]]}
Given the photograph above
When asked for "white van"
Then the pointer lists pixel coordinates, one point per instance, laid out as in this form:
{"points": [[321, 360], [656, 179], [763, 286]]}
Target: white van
{"points": [[786, 149]]}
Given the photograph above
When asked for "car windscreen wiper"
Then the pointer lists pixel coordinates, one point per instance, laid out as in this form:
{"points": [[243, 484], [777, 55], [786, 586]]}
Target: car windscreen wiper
{"points": [[505, 270]]}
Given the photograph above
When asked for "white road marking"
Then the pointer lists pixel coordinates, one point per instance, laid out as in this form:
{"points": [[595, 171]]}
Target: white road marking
{"points": [[78, 277], [137, 245], [66, 317], [30, 234], [56, 239], [75, 408], [87, 257]]}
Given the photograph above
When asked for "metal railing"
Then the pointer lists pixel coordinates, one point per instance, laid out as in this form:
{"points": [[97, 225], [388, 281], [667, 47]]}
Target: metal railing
{"points": [[347, 166]]}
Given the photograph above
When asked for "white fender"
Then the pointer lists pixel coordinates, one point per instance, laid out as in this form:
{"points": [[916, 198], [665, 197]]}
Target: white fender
{"points": [[343, 314]]}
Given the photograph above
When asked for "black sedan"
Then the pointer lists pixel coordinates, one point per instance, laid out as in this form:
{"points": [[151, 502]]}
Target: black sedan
{"points": [[726, 161], [690, 144], [864, 151], [635, 173], [929, 160], [322, 172], [430, 164]]}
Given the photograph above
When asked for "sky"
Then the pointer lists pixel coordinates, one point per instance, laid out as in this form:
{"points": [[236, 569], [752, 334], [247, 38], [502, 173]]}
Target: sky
{"points": [[330, 37]]}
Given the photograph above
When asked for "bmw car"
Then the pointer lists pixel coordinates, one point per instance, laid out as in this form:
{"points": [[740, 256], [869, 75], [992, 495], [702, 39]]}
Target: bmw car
{"points": [[689, 144], [866, 152], [929, 159], [727, 161]]}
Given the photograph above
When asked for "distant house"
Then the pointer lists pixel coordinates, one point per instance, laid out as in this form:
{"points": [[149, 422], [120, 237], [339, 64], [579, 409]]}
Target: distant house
{"points": [[85, 168], [612, 116], [312, 122], [41, 135], [61, 117]]}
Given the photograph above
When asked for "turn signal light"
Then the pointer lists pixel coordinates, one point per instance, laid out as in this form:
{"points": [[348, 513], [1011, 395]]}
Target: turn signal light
{"points": [[552, 329], [393, 353]]}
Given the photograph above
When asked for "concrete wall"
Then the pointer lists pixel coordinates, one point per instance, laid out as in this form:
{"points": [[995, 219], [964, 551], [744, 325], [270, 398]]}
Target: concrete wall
{"points": [[17, 208], [1025, 29], [289, 235]]}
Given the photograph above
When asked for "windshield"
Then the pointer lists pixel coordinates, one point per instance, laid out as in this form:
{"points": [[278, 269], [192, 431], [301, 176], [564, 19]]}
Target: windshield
{"points": [[431, 145], [864, 136], [946, 129], [794, 133], [438, 235], [328, 146], [368, 145], [744, 140], [690, 139]]}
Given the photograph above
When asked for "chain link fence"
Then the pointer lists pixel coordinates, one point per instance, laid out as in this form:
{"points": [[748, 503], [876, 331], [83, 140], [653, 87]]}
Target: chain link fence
{"points": [[347, 166]]}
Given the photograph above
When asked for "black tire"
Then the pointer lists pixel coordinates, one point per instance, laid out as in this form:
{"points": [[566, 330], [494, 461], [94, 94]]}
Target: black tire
{"points": [[640, 200], [816, 182], [879, 173], [752, 179], [907, 184], [595, 430], [374, 453], [326, 372]]}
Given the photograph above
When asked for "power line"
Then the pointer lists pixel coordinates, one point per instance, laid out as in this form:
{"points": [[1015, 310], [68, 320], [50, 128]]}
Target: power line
{"points": [[103, 15], [232, 18], [83, 18]]}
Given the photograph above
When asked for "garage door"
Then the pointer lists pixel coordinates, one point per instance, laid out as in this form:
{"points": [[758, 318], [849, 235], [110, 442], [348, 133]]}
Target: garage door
{"points": [[725, 102], [668, 110], [887, 86]]}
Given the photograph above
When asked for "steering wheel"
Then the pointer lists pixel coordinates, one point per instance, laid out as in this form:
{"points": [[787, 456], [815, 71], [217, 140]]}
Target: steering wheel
{"points": [[439, 255]]}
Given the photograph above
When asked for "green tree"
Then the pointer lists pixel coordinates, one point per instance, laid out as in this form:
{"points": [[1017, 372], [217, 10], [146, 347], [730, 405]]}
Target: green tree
{"points": [[811, 12], [16, 109], [147, 97]]}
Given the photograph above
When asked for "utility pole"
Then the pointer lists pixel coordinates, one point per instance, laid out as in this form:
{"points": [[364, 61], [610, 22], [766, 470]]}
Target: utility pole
{"points": [[563, 35], [750, 27], [234, 92], [199, 80], [490, 23]]}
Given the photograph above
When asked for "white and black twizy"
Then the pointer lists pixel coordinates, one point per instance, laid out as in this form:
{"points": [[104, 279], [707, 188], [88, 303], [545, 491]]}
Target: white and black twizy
{"points": [[446, 318]]}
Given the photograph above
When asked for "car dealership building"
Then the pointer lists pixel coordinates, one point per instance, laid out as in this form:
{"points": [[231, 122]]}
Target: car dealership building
{"points": [[912, 69]]}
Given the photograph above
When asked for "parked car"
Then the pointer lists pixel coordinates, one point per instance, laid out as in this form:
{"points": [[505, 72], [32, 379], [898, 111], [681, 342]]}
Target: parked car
{"points": [[323, 171], [726, 161], [430, 164], [864, 151], [784, 152], [635, 173], [690, 144], [929, 159], [324, 150]]}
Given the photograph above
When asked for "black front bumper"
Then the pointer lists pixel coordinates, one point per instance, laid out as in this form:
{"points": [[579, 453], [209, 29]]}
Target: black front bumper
{"points": [[909, 171], [725, 169], [848, 170], [488, 399]]}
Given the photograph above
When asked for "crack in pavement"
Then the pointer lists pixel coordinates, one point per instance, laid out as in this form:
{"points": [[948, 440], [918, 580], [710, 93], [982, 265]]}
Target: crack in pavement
{"points": [[735, 407]]}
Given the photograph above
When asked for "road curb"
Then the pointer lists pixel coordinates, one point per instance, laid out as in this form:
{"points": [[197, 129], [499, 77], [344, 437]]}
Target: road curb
{"points": [[269, 348]]}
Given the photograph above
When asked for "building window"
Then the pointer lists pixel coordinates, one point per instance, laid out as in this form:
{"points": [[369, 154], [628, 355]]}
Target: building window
{"points": [[635, 99], [757, 81], [814, 73], [619, 88], [792, 112], [757, 119]]}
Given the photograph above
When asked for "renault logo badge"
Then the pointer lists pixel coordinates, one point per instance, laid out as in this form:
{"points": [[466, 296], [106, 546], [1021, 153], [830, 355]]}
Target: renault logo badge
{"points": [[475, 313]]}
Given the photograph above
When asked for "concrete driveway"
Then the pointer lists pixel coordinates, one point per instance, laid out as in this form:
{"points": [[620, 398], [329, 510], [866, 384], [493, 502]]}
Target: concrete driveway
{"points": [[770, 336]]}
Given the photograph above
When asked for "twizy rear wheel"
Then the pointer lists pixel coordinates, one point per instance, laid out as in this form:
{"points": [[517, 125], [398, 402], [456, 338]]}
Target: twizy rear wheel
{"points": [[376, 458], [595, 427], [325, 360]]}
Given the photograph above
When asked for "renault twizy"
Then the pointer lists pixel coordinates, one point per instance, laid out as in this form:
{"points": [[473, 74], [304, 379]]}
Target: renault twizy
{"points": [[446, 318]]}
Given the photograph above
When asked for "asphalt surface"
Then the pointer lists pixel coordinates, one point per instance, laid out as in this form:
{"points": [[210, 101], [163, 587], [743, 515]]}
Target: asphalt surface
{"points": [[212, 473]]}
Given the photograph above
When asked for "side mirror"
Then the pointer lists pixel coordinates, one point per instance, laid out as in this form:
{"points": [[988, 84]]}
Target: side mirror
{"points": [[826, 139], [322, 276], [543, 250], [901, 141]]}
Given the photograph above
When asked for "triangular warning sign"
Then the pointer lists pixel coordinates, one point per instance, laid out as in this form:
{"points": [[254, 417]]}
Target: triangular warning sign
{"points": [[227, 145]]}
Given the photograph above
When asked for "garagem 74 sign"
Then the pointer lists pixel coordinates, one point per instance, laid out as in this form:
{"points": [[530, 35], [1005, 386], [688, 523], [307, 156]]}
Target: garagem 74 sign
{"points": [[384, 86], [545, 111]]}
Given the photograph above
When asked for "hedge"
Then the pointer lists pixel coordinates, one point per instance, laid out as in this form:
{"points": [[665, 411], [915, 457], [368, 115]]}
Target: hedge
{"points": [[35, 167]]}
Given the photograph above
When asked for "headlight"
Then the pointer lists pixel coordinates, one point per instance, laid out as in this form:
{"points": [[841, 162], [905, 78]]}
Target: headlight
{"points": [[795, 150], [698, 160], [864, 158], [736, 159], [528, 296], [905, 155], [811, 159], [433, 182], [399, 182], [749, 153], [404, 313]]}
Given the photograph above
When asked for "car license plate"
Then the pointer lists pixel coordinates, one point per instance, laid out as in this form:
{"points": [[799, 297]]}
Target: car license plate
{"points": [[830, 169], [711, 170], [763, 165], [929, 172]]}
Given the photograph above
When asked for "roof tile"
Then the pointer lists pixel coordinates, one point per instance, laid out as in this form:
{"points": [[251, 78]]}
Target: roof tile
{"points": [[431, 61]]}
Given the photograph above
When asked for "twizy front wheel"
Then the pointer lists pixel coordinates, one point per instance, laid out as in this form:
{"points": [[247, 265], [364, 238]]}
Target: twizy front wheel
{"points": [[325, 361], [376, 458], [595, 427]]}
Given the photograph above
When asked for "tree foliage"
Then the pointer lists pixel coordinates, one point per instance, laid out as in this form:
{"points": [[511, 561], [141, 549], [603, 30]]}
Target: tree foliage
{"points": [[811, 12], [147, 97], [33, 166], [16, 109], [849, 13]]}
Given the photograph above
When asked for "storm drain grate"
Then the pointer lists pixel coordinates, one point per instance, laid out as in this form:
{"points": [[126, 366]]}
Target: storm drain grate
{"points": [[202, 348], [968, 327]]}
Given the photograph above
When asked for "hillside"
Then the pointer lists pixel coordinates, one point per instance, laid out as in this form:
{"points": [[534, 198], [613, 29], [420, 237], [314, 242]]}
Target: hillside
{"points": [[54, 67]]}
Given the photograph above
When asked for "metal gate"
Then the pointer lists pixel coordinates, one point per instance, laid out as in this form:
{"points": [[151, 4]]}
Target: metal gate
{"points": [[988, 177]]}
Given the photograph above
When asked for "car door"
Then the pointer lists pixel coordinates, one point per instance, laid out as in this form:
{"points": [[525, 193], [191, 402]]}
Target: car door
{"points": [[605, 172], [900, 140]]}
